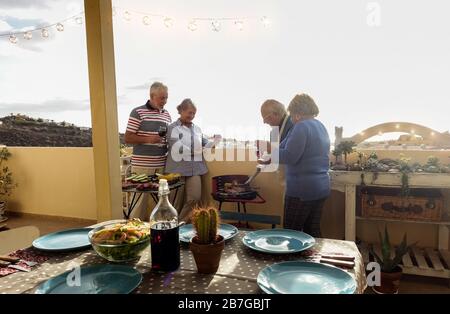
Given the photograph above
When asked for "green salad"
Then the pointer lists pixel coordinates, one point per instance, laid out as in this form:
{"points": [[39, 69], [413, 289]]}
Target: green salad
{"points": [[122, 241], [132, 231]]}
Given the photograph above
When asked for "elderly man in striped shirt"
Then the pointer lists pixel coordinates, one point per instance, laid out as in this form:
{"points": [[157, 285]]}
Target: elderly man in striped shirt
{"points": [[149, 156]]}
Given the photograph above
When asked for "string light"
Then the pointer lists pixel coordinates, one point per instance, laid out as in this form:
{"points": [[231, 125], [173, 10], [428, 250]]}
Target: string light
{"points": [[127, 16], [44, 33], [27, 35], [13, 39], [192, 26], [216, 25], [43, 30], [193, 23], [146, 20], [168, 22], [239, 25], [266, 21], [60, 27]]}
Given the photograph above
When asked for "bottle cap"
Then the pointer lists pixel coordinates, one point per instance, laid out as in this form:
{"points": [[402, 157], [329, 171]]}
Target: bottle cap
{"points": [[163, 186]]}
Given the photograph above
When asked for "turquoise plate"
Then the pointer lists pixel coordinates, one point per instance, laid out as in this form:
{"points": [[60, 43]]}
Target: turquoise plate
{"points": [[95, 279], [66, 240], [187, 232], [305, 278], [278, 241]]}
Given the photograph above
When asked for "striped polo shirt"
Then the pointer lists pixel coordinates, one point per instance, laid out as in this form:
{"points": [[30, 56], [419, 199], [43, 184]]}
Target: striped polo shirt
{"points": [[145, 121]]}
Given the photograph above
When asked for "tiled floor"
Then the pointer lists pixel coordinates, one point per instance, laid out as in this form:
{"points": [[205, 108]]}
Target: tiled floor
{"points": [[423, 285], [47, 224]]}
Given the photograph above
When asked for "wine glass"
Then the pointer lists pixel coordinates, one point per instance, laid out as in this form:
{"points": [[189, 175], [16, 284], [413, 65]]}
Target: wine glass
{"points": [[162, 131]]}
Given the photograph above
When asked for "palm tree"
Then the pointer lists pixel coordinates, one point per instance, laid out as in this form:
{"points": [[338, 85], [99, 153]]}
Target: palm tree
{"points": [[336, 153], [346, 147]]}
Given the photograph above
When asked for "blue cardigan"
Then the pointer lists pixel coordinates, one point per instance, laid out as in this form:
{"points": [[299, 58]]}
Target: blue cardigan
{"points": [[305, 152]]}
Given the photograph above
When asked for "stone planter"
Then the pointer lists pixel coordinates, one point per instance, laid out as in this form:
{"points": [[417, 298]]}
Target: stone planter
{"points": [[207, 256]]}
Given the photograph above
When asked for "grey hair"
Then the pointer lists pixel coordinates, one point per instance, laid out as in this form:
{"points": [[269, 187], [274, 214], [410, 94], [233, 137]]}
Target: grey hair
{"points": [[185, 104], [304, 105], [275, 106], [157, 86]]}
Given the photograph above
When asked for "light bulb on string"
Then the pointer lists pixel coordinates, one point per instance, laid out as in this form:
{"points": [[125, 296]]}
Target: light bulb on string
{"points": [[79, 20], [27, 35], [216, 25], [168, 22], [192, 26], [239, 25], [146, 20], [266, 21], [59, 27], [44, 33], [13, 39], [127, 16]]}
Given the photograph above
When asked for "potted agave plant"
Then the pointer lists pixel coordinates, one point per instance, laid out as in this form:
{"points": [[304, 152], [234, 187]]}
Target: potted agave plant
{"points": [[6, 181], [391, 272], [207, 245]]}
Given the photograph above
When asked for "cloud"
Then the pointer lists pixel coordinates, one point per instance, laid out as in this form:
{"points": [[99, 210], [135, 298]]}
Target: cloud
{"points": [[4, 27], [147, 84], [53, 105], [20, 23], [122, 100], [21, 4]]}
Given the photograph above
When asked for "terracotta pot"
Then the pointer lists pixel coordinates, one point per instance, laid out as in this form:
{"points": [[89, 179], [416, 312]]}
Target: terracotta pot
{"points": [[389, 282], [207, 256]]}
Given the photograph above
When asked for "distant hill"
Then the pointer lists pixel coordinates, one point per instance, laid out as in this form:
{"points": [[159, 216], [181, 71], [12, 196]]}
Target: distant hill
{"points": [[21, 130]]}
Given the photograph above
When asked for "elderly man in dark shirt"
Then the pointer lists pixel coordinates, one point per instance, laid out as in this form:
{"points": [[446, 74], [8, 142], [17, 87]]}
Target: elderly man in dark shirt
{"points": [[274, 114], [149, 156]]}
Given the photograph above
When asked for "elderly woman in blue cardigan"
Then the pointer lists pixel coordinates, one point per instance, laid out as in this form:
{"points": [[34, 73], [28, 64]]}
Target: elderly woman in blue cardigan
{"points": [[305, 154]]}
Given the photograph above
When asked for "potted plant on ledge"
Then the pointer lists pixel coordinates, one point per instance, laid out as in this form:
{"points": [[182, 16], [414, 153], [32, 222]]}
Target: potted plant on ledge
{"points": [[6, 181], [207, 245], [391, 271]]}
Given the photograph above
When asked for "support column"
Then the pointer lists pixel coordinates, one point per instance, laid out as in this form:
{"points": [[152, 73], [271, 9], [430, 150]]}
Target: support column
{"points": [[350, 212], [443, 237], [102, 86]]}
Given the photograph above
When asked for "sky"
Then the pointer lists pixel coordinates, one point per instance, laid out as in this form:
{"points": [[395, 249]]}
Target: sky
{"points": [[364, 62]]}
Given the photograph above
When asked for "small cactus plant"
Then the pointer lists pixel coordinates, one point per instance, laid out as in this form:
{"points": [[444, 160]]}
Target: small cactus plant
{"points": [[206, 223]]}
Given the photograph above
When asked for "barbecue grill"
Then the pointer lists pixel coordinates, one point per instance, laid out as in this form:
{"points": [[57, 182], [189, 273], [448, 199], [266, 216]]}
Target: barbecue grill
{"points": [[240, 191]]}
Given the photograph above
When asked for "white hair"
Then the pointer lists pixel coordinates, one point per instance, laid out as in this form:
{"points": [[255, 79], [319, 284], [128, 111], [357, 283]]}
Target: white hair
{"points": [[275, 106], [157, 86]]}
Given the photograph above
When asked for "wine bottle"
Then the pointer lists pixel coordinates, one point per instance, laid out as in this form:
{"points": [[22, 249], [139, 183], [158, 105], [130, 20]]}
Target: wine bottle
{"points": [[164, 236]]}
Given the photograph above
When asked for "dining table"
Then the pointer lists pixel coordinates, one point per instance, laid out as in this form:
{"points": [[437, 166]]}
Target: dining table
{"points": [[237, 274]]}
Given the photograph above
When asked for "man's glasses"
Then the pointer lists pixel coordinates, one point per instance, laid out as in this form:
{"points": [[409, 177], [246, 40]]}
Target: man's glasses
{"points": [[267, 115]]}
